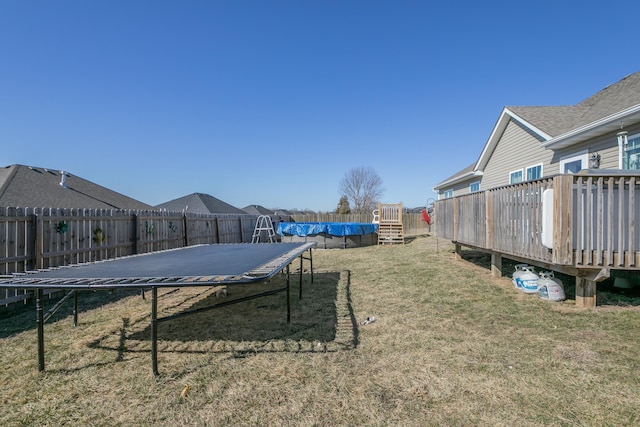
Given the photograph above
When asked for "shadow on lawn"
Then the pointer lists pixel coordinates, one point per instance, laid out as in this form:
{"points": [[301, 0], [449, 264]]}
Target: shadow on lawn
{"points": [[23, 317], [323, 320], [607, 294]]}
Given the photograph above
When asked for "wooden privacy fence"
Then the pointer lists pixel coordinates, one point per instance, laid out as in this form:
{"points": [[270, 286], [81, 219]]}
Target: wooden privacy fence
{"points": [[35, 238]]}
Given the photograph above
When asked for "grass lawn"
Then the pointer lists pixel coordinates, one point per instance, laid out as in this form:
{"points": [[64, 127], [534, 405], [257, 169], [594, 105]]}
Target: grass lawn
{"points": [[450, 346]]}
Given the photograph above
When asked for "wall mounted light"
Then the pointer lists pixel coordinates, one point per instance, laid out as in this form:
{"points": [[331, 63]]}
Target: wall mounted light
{"points": [[622, 136], [594, 161]]}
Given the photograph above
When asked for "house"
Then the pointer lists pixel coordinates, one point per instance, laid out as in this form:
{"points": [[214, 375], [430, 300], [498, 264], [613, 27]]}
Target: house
{"points": [[29, 186], [556, 187], [258, 210], [199, 203], [528, 143]]}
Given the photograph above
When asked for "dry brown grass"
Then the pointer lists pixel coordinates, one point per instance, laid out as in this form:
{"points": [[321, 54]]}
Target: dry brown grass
{"points": [[451, 346]]}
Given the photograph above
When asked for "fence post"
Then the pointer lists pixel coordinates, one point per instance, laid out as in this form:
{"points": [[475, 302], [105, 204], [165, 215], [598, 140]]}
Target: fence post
{"points": [[185, 224], [37, 223], [136, 239]]}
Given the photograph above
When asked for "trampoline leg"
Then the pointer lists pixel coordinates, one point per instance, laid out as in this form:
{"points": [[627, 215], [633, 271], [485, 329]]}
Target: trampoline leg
{"points": [[75, 308], [40, 322], [311, 264], [300, 279], [288, 297], [154, 330]]}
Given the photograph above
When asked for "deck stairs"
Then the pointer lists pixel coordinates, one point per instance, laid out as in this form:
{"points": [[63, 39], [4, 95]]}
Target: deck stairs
{"points": [[389, 220], [264, 226]]}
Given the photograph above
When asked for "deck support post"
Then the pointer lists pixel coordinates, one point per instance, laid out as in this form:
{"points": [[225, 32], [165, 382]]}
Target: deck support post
{"points": [[458, 253], [586, 282], [496, 265], [585, 293]]}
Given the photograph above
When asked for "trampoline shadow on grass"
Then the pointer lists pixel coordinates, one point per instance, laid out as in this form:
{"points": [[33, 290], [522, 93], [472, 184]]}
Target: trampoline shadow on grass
{"points": [[322, 321]]}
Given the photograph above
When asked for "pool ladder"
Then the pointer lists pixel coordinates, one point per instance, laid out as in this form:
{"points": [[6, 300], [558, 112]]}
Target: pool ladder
{"points": [[264, 224]]}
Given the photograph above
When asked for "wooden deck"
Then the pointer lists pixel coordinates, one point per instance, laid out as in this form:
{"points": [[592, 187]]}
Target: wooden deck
{"points": [[583, 225]]}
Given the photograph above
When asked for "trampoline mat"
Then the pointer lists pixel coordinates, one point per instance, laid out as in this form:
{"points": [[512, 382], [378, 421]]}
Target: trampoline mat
{"points": [[192, 261]]}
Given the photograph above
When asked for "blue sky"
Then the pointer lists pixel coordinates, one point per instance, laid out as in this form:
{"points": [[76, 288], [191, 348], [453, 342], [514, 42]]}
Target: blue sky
{"points": [[272, 102]]}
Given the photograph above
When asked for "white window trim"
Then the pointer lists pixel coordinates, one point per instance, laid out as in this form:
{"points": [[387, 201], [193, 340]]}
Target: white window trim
{"points": [[524, 177], [514, 171], [580, 155], [444, 194], [474, 182], [621, 148]]}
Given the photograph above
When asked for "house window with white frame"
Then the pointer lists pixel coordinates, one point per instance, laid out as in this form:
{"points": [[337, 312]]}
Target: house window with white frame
{"points": [[515, 176], [474, 187], [575, 162], [448, 194], [631, 153], [534, 172]]}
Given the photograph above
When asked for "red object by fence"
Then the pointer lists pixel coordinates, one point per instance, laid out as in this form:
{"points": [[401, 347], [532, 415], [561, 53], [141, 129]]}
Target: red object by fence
{"points": [[425, 216]]}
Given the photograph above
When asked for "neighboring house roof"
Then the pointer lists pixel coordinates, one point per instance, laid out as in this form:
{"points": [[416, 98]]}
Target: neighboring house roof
{"points": [[199, 203], [257, 210], [283, 212], [561, 126], [28, 186]]}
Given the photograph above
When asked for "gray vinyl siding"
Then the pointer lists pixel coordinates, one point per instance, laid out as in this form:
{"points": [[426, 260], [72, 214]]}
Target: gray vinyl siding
{"points": [[516, 149], [606, 146]]}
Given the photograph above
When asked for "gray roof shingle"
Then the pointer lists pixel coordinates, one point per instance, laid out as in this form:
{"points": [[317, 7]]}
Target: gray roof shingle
{"points": [[557, 120], [28, 186], [199, 203]]}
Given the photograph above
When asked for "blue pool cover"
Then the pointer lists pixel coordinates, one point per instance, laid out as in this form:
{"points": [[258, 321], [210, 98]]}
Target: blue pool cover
{"points": [[332, 228]]}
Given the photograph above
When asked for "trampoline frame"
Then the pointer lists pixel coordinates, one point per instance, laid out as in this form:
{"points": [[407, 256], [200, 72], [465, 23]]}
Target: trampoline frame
{"points": [[261, 273]]}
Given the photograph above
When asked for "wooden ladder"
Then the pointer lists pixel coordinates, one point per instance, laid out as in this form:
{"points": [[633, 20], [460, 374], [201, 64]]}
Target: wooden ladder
{"points": [[390, 228]]}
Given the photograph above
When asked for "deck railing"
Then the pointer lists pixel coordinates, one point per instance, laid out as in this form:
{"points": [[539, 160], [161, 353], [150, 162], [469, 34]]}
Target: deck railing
{"points": [[586, 221]]}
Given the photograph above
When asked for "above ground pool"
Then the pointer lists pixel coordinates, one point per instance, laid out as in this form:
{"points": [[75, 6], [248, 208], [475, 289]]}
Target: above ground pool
{"points": [[330, 235]]}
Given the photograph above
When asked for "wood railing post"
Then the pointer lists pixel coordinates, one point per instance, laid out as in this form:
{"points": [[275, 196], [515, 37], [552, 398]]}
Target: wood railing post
{"points": [[455, 219], [563, 220], [489, 219]]}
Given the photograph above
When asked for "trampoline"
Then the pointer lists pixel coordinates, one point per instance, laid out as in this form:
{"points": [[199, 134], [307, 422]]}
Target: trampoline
{"points": [[202, 265]]}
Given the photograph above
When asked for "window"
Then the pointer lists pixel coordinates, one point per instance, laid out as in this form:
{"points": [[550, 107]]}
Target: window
{"points": [[575, 162], [515, 177], [631, 153], [448, 194], [474, 187], [534, 172]]}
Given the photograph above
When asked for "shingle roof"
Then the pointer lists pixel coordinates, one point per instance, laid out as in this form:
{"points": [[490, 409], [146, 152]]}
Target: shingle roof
{"points": [[462, 174], [199, 203], [557, 120], [28, 186], [257, 210]]}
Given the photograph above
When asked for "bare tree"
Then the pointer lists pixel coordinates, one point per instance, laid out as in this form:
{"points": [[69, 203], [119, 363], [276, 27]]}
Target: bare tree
{"points": [[363, 187]]}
